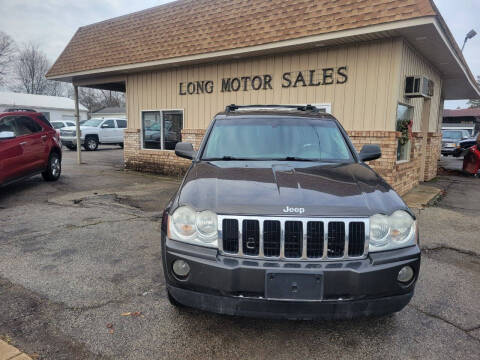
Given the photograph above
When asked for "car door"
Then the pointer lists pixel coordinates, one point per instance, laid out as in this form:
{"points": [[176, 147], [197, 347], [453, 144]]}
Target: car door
{"points": [[121, 126], [32, 139], [107, 131], [12, 159]]}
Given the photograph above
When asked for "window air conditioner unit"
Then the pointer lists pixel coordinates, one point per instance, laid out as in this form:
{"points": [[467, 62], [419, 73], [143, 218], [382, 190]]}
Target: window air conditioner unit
{"points": [[416, 86]]}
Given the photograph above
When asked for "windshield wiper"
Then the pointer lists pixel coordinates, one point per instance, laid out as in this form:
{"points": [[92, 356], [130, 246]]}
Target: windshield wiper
{"points": [[226, 158], [296, 158]]}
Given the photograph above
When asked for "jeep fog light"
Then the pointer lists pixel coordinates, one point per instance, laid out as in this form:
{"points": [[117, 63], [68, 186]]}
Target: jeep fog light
{"points": [[181, 268], [405, 275]]}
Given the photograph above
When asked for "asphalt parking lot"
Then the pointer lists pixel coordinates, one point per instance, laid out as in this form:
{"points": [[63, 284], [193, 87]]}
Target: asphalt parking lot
{"points": [[81, 278]]}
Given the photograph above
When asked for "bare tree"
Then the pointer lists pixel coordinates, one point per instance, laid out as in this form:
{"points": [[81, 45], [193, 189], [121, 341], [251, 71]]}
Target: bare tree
{"points": [[95, 100], [7, 51], [31, 65]]}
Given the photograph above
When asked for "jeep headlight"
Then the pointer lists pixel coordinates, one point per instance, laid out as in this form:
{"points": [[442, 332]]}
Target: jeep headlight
{"points": [[392, 232], [199, 228]]}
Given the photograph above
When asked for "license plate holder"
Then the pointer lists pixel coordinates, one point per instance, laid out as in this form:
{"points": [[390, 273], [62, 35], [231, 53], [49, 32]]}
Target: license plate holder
{"points": [[288, 285]]}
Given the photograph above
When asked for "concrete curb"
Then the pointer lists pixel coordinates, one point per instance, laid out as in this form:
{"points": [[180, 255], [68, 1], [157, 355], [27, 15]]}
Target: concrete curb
{"points": [[9, 352], [421, 196]]}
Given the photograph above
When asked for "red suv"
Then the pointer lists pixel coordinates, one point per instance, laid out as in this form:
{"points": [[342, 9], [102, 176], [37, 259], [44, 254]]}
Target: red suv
{"points": [[29, 145]]}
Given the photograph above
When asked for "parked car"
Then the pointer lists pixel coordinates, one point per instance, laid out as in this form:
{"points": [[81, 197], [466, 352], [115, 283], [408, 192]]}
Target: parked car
{"points": [[152, 136], [57, 125], [451, 140], [29, 145], [279, 216], [464, 145], [94, 132]]}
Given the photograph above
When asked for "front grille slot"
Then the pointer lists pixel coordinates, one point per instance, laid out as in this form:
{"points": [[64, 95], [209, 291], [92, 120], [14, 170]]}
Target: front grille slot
{"points": [[315, 239], [250, 237], [230, 235], [336, 239], [356, 238], [271, 238], [293, 238]]}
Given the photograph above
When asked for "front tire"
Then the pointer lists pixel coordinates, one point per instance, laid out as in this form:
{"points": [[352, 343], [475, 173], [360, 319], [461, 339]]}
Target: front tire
{"points": [[91, 143], [54, 168]]}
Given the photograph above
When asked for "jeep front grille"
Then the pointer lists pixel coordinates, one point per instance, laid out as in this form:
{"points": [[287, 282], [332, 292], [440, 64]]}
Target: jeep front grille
{"points": [[293, 238]]}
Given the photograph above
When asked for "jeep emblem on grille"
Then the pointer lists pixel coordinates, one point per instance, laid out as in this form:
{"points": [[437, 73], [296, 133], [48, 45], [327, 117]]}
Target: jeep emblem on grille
{"points": [[288, 209]]}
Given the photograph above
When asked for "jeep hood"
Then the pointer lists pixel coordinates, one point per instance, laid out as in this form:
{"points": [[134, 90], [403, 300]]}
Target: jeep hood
{"points": [[272, 188]]}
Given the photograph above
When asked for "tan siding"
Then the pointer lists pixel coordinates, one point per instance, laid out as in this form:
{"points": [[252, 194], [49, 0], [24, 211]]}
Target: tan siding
{"points": [[415, 65], [366, 101]]}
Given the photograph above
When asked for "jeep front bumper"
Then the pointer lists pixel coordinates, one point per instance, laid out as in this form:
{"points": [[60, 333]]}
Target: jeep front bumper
{"points": [[240, 286]]}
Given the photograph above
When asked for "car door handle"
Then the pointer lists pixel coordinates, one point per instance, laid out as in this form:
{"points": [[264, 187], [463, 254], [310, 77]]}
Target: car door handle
{"points": [[23, 143], [44, 137]]}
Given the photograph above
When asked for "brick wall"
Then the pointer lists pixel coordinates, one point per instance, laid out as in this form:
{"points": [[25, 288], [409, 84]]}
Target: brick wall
{"points": [[434, 145], [401, 176]]}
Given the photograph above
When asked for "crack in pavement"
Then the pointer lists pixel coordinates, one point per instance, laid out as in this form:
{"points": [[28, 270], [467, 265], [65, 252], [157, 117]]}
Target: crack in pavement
{"points": [[447, 247], [438, 317]]}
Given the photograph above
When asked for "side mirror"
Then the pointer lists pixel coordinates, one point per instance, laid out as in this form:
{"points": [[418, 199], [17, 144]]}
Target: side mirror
{"points": [[5, 135], [104, 126], [370, 152], [185, 150]]}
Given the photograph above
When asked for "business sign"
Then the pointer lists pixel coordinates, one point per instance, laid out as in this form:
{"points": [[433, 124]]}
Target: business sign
{"points": [[304, 78]]}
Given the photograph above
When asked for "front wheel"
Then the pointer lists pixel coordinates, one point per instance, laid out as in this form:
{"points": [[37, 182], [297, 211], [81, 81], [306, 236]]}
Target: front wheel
{"points": [[54, 168], [91, 143]]}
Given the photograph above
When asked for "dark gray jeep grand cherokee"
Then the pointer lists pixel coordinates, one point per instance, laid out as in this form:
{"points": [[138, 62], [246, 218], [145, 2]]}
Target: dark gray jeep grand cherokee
{"points": [[278, 216]]}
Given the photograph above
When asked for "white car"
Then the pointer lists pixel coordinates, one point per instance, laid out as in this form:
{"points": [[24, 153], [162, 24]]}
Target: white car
{"points": [[57, 125], [94, 132]]}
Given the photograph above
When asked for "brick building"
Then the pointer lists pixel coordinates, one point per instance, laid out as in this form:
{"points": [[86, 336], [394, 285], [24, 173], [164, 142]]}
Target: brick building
{"points": [[374, 64], [468, 119]]}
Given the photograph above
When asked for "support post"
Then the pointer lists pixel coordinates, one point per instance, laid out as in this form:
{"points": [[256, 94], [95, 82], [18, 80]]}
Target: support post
{"points": [[77, 125]]}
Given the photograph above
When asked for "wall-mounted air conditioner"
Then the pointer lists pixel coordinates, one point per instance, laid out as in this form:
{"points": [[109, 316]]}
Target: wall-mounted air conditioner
{"points": [[417, 86]]}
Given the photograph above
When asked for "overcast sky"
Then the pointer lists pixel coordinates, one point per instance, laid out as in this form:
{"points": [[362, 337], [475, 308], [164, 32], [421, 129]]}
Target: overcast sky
{"points": [[52, 23]]}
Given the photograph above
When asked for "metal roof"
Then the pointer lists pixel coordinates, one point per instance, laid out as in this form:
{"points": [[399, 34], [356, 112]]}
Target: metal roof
{"points": [[12, 99]]}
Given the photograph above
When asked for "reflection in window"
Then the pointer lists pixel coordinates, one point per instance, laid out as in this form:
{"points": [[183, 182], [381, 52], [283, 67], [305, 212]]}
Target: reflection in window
{"points": [[162, 129], [109, 124], [404, 114]]}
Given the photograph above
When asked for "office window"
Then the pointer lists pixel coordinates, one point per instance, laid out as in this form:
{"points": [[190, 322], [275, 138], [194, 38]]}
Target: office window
{"points": [[162, 129], [404, 116]]}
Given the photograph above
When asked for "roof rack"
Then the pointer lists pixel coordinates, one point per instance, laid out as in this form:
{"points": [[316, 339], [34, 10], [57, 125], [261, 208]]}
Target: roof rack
{"points": [[233, 107], [19, 110]]}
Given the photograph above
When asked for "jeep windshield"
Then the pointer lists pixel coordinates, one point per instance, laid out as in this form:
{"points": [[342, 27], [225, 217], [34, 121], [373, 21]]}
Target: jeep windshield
{"points": [[275, 138], [92, 123]]}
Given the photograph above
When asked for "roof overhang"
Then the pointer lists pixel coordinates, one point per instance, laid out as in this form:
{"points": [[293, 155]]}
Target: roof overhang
{"points": [[425, 34]]}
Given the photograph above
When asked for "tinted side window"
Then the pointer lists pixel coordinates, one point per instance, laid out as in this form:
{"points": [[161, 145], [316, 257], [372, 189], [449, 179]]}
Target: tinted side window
{"points": [[108, 124], [122, 124], [7, 124], [44, 120], [70, 124], [25, 126]]}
